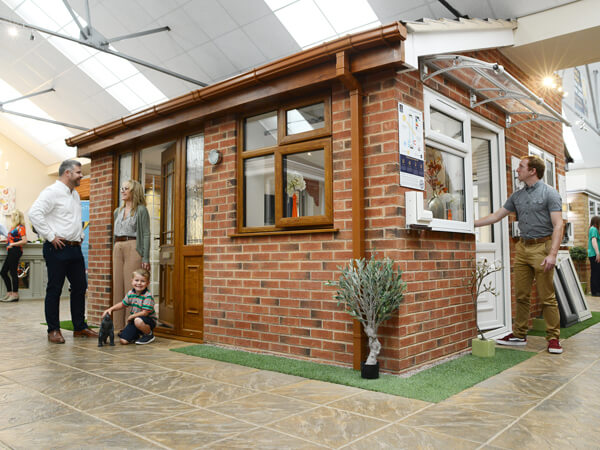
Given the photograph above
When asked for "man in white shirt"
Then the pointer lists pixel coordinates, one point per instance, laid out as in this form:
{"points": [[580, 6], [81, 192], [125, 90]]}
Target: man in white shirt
{"points": [[56, 216]]}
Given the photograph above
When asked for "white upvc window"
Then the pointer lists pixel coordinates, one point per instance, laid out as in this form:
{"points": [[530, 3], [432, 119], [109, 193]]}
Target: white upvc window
{"points": [[549, 160], [448, 169], [594, 205]]}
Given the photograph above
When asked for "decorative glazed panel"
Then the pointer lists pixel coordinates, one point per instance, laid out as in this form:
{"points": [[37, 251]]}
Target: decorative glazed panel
{"points": [[194, 190]]}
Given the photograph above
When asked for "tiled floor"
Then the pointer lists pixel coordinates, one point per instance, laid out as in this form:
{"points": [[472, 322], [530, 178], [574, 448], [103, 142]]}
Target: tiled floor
{"points": [[77, 395]]}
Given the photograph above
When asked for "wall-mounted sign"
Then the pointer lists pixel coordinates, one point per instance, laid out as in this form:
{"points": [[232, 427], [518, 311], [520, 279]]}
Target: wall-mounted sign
{"points": [[412, 152]]}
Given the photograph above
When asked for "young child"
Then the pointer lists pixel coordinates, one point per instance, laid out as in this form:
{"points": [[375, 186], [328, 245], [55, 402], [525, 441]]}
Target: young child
{"points": [[142, 319]]}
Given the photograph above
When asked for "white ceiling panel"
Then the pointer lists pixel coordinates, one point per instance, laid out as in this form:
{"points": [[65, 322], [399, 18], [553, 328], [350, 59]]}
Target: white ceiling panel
{"points": [[211, 17], [213, 61], [247, 11], [262, 31], [240, 50], [184, 29]]}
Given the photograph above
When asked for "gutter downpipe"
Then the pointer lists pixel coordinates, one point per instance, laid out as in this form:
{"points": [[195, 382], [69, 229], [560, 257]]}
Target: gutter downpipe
{"points": [[344, 74]]}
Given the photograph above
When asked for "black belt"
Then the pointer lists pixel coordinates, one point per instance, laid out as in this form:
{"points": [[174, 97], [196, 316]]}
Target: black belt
{"points": [[536, 240], [124, 238]]}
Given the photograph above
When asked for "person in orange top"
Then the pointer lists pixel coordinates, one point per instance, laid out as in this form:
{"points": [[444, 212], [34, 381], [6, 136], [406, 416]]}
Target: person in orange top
{"points": [[16, 240]]}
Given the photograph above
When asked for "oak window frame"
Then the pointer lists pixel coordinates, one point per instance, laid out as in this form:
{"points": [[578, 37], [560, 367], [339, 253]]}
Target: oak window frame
{"points": [[319, 139]]}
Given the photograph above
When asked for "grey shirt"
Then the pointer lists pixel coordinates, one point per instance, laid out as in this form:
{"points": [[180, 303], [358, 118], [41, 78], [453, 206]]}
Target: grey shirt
{"points": [[533, 206], [125, 226]]}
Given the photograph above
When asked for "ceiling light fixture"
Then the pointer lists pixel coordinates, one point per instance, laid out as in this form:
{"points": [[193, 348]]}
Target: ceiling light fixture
{"points": [[12, 31]]}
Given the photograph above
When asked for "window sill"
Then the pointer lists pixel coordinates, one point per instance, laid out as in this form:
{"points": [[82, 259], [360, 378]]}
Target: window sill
{"points": [[273, 233]]}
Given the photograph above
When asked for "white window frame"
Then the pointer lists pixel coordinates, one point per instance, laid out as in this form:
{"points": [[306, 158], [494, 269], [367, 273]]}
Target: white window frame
{"points": [[547, 157], [596, 204], [445, 143]]}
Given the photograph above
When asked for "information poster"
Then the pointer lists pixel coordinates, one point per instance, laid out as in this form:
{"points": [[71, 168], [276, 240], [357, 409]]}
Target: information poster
{"points": [[412, 151]]}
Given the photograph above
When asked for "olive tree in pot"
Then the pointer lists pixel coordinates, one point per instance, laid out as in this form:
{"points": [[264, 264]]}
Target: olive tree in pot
{"points": [[371, 290], [479, 286]]}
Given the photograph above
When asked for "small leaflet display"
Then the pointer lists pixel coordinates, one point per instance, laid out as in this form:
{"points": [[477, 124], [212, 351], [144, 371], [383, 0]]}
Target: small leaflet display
{"points": [[412, 154]]}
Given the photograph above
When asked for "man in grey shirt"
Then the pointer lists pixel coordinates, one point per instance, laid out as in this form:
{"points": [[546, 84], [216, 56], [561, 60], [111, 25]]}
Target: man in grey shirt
{"points": [[539, 212]]}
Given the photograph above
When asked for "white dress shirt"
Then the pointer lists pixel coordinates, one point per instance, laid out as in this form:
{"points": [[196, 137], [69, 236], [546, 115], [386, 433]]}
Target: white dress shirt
{"points": [[57, 212]]}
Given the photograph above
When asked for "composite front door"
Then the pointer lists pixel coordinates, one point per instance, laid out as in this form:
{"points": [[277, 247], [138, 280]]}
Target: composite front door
{"points": [[486, 195]]}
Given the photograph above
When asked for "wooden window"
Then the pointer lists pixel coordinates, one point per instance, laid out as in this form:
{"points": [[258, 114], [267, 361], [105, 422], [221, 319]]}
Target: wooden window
{"points": [[285, 168]]}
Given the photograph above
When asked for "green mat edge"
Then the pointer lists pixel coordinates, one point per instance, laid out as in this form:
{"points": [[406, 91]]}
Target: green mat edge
{"points": [[431, 385]]}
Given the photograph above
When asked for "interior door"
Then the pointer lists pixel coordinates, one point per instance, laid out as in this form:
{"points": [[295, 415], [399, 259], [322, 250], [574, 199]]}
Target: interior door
{"points": [[166, 310], [486, 198]]}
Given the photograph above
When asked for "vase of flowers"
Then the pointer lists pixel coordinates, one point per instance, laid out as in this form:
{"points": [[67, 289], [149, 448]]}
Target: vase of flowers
{"points": [[295, 184], [432, 176]]}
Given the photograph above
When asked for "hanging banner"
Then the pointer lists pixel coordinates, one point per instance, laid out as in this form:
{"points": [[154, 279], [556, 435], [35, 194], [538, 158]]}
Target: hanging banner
{"points": [[412, 152]]}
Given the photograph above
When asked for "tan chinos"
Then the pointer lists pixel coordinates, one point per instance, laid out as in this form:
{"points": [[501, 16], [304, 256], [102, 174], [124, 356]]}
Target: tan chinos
{"points": [[528, 266], [126, 259]]}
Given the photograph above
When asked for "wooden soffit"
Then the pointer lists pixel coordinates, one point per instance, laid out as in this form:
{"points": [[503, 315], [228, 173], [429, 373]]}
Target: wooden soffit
{"points": [[368, 50]]}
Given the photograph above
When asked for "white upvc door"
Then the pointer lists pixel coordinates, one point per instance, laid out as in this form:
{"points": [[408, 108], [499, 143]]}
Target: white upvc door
{"points": [[493, 311]]}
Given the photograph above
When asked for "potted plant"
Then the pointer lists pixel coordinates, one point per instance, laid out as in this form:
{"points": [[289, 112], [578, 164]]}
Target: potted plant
{"points": [[371, 292], [478, 286]]}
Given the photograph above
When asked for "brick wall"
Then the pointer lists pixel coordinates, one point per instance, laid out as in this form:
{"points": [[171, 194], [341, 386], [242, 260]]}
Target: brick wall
{"points": [[267, 293], [100, 256]]}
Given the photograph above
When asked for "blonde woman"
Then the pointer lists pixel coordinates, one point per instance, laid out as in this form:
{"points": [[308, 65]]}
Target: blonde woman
{"points": [[131, 243], [16, 240]]}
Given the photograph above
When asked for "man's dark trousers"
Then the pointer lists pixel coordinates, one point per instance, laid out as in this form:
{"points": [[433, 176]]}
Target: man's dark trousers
{"points": [[66, 262]]}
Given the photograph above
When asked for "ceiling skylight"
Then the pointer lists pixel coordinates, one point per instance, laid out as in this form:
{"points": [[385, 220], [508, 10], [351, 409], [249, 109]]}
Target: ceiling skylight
{"points": [[118, 77], [48, 135], [311, 22]]}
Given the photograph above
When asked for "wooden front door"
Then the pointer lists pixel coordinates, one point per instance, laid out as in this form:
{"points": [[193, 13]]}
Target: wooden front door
{"points": [[167, 303]]}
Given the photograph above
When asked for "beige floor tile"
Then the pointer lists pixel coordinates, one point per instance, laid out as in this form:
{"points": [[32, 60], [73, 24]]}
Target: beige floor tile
{"points": [[493, 401], [262, 408], [565, 410], [165, 381], [209, 394], [264, 439], [478, 426], [531, 434], [11, 392], [261, 380], [518, 384], [397, 436], [328, 426], [140, 410], [30, 410], [380, 406], [192, 429], [216, 370], [129, 370], [57, 432], [316, 391], [117, 441], [104, 394]]}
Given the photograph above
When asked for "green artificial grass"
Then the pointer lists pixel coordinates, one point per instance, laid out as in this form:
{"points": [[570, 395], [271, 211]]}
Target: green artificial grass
{"points": [[573, 329], [432, 385], [68, 325]]}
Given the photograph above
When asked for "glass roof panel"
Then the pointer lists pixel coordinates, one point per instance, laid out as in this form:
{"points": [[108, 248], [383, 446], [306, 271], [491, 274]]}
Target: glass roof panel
{"points": [[490, 83], [311, 22], [106, 70]]}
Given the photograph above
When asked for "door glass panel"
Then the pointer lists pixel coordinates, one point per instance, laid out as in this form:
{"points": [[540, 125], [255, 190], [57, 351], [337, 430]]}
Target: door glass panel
{"points": [[482, 186], [307, 118], [304, 184], [125, 166], [446, 125], [194, 194], [549, 172], [260, 131], [259, 191], [149, 174], [445, 185], [169, 175]]}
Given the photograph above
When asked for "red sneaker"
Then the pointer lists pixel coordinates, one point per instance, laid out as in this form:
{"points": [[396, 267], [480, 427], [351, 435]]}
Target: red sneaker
{"points": [[554, 346], [511, 339]]}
